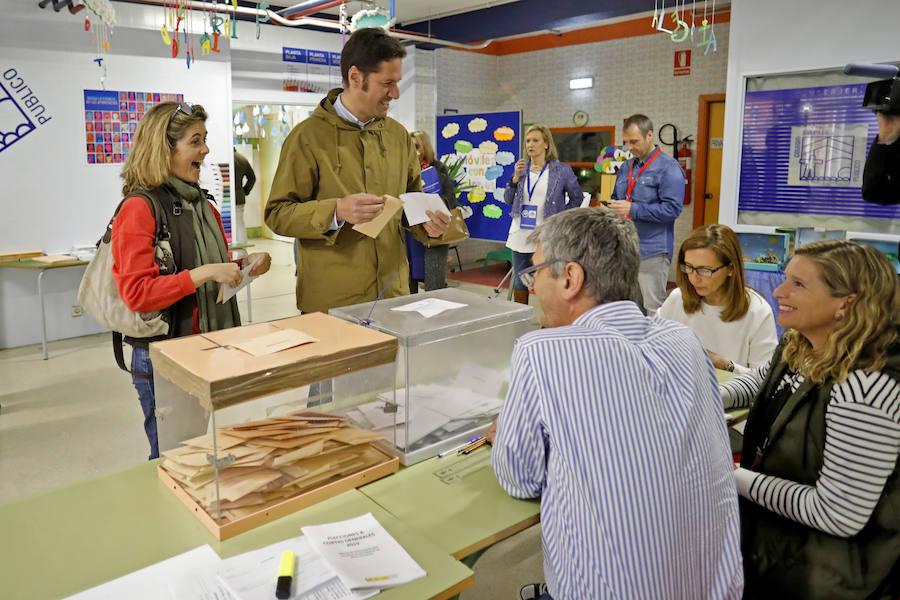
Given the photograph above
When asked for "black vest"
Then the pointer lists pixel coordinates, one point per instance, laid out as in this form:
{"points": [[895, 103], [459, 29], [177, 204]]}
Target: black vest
{"points": [[786, 559], [179, 223]]}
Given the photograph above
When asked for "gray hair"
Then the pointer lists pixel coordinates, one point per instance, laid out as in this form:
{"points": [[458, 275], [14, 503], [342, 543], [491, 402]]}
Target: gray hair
{"points": [[602, 242], [642, 122]]}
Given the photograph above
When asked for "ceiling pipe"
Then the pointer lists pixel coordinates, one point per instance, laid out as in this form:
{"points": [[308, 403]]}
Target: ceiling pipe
{"points": [[311, 21], [307, 7]]}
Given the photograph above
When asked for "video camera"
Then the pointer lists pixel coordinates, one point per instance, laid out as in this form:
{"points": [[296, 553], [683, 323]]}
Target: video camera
{"points": [[883, 95]]}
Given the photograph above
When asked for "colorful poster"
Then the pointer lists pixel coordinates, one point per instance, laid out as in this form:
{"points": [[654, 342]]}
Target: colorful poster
{"points": [[111, 119], [803, 151], [309, 70], [488, 146]]}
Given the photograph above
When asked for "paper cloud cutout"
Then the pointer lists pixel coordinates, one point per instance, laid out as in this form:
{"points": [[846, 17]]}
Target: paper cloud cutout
{"points": [[463, 146], [476, 196], [504, 134], [492, 211], [449, 130], [505, 158], [498, 194], [493, 172], [477, 124], [488, 147]]}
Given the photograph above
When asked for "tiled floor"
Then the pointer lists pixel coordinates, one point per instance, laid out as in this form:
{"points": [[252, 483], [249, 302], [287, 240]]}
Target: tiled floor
{"points": [[76, 415]]}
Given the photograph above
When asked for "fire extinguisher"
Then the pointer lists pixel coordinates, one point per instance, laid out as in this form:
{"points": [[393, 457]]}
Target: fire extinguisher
{"points": [[686, 160]]}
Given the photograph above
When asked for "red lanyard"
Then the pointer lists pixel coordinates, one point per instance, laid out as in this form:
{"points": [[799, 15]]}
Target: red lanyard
{"points": [[631, 181]]}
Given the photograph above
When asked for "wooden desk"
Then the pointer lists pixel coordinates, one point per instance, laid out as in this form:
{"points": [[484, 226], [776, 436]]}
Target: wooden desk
{"points": [[41, 268], [65, 540], [462, 515]]}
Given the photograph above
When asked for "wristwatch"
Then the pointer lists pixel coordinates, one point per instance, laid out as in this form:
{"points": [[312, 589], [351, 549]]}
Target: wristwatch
{"points": [[730, 367]]}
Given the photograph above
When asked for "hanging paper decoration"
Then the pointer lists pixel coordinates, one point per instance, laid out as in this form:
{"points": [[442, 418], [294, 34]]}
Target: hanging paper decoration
{"points": [[371, 18], [104, 20], [679, 30]]}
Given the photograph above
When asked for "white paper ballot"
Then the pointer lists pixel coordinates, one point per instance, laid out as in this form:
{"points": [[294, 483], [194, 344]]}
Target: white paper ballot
{"points": [[416, 203], [228, 292], [188, 575], [363, 553], [429, 307], [252, 575]]}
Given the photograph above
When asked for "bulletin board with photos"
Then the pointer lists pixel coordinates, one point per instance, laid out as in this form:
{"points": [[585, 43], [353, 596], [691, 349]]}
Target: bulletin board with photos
{"points": [[111, 119]]}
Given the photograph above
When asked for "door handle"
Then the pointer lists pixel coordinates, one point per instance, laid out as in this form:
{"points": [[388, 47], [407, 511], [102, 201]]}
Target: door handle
{"points": [[708, 196]]}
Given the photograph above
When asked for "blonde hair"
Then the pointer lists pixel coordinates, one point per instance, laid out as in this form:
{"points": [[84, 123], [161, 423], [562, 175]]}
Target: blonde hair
{"points": [[548, 138], [721, 240], [161, 127], [871, 321], [427, 149]]}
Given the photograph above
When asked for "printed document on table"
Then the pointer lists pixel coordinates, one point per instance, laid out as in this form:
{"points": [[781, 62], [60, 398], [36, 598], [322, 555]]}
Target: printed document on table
{"points": [[416, 203], [252, 575], [363, 553], [188, 575], [429, 307]]}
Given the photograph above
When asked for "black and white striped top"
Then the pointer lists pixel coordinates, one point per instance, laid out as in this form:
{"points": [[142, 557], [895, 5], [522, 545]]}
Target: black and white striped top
{"points": [[862, 443]]}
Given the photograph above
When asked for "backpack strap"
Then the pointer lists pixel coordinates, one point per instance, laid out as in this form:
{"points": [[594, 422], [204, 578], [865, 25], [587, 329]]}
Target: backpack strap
{"points": [[162, 233]]}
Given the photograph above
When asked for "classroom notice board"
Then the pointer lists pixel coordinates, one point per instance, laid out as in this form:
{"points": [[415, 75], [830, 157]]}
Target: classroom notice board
{"points": [[488, 143], [803, 151]]}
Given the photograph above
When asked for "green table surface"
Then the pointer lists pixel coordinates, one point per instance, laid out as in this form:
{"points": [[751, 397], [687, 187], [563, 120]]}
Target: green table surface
{"points": [[77, 536], [462, 516]]}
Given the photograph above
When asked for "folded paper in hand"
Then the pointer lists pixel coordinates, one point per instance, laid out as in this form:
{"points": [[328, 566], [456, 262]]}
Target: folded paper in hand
{"points": [[226, 292], [416, 203], [374, 227]]}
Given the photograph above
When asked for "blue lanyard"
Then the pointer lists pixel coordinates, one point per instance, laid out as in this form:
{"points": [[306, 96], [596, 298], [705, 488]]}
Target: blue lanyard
{"points": [[528, 179]]}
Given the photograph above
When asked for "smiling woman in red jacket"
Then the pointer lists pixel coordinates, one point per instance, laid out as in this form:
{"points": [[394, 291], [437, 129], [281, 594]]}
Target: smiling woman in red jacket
{"points": [[163, 170]]}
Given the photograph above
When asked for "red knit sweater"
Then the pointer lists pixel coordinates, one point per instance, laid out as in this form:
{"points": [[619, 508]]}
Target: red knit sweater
{"points": [[135, 271]]}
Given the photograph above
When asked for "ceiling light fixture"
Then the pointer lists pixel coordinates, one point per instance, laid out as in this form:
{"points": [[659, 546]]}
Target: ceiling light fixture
{"points": [[581, 84]]}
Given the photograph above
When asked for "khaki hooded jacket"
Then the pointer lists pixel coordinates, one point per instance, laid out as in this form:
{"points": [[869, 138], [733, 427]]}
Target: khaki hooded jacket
{"points": [[326, 158]]}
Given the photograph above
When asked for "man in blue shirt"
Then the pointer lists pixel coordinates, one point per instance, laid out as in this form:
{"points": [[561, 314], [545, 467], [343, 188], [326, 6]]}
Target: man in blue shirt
{"points": [[650, 191], [614, 420]]}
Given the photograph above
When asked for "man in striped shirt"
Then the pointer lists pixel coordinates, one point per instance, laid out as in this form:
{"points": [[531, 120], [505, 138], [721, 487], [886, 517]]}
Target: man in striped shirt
{"points": [[614, 420]]}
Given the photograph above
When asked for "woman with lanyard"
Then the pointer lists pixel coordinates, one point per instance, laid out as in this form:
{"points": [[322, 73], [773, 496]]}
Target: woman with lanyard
{"points": [[536, 191]]}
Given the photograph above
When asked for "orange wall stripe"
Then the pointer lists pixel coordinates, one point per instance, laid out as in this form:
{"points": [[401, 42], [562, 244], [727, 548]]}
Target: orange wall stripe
{"points": [[601, 33]]}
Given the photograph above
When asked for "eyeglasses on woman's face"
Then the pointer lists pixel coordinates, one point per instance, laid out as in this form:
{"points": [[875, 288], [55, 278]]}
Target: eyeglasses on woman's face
{"points": [[526, 276], [701, 271]]}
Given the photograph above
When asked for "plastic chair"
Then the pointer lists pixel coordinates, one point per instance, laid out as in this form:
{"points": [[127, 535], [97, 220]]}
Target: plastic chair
{"points": [[504, 255]]}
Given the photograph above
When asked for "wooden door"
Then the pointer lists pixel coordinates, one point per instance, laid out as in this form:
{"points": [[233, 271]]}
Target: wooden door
{"points": [[713, 162]]}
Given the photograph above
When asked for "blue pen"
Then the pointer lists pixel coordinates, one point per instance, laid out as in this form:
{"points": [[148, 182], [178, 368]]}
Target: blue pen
{"points": [[461, 446]]}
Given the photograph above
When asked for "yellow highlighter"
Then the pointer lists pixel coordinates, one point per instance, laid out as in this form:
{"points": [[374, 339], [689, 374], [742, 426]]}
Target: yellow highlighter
{"points": [[285, 576]]}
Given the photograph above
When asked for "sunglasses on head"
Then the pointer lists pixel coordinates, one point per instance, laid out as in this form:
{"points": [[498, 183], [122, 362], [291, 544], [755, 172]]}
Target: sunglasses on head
{"points": [[183, 107]]}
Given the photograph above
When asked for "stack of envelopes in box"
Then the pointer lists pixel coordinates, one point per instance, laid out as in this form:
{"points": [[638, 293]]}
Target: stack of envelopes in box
{"points": [[273, 459]]}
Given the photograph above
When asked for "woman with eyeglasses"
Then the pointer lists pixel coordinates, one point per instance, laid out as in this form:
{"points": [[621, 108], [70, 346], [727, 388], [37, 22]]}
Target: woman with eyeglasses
{"points": [[819, 474], [161, 173], [734, 323]]}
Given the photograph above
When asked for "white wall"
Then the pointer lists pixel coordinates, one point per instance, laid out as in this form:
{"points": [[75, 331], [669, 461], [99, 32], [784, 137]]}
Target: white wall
{"points": [[774, 36], [52, 199]]}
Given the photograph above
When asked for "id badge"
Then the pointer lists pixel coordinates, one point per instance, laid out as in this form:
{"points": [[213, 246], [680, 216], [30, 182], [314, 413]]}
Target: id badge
{"points": [[528, 218]]}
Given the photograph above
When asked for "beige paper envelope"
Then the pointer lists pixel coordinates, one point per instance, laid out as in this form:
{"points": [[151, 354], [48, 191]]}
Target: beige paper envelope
{"points": [[374, 227], [276, 341]]}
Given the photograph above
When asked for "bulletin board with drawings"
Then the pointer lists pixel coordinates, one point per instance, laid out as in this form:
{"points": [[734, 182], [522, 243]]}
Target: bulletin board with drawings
{"points": [[489, 144]]}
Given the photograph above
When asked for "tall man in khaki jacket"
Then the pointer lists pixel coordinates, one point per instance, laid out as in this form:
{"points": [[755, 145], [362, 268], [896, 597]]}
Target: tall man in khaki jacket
{"points": [[334, 170]]}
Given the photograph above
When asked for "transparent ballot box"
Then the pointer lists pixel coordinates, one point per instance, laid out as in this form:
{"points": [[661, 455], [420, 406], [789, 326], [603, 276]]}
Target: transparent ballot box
{"points": [[452, 368], [249, 429]]}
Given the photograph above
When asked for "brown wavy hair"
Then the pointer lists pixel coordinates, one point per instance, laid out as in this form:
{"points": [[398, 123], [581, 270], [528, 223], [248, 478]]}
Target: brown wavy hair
{"points": [[871, 321], [723, 241], [160, 128]]}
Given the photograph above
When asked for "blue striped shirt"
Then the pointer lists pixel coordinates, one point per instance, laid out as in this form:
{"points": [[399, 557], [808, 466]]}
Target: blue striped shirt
{"points": [[615, 422]]}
